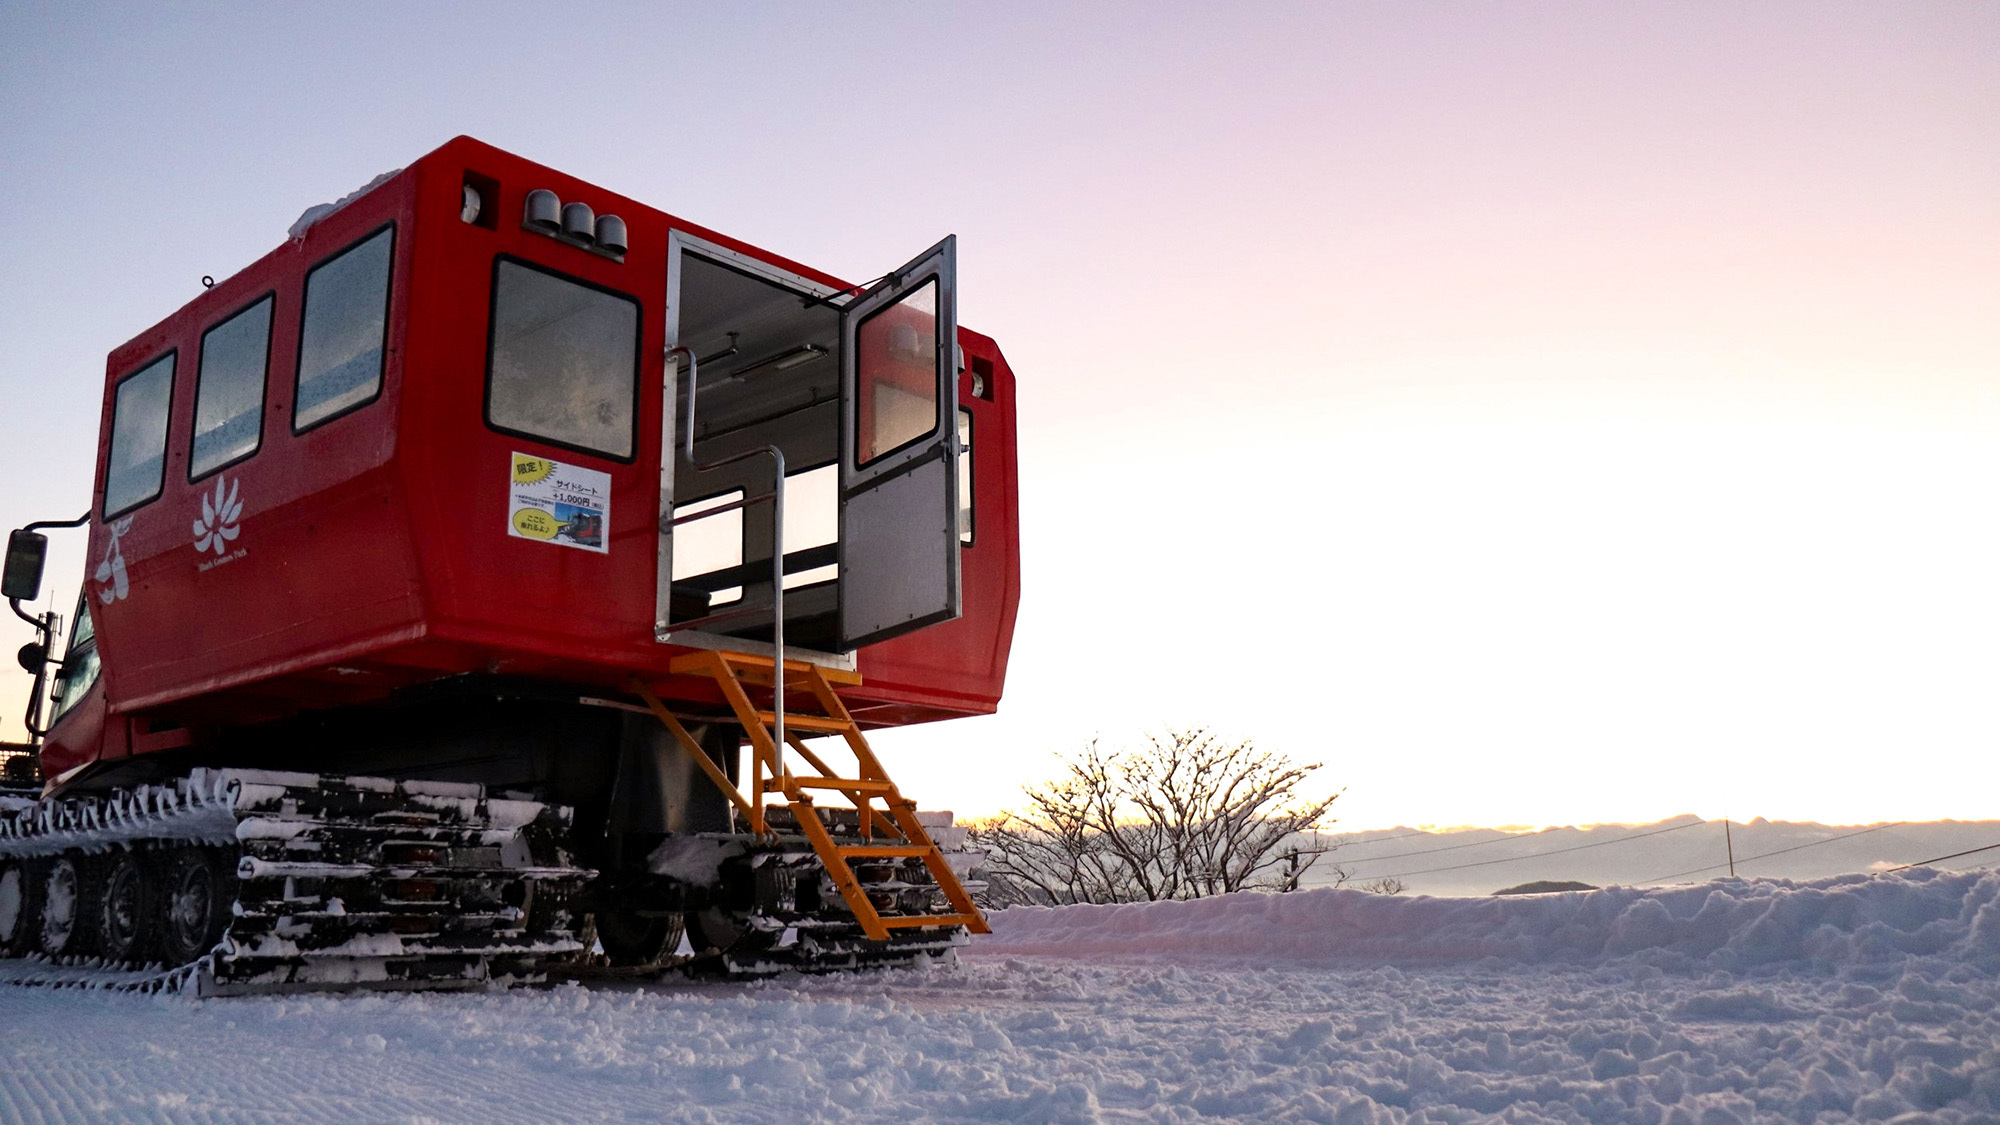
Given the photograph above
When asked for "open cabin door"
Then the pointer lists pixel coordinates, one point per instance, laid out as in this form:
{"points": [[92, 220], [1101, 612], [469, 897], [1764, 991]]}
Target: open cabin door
{"points": [[899, 566]]}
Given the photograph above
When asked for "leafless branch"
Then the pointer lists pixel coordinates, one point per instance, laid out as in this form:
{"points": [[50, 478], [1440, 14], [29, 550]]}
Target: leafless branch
{"points": [[1186, 816]]}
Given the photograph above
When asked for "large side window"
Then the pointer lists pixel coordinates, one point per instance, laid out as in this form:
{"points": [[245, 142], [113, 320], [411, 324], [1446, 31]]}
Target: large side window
{"points": [[229, 390], [344, 331], [965, 476], [563, 363], [137, 464]]}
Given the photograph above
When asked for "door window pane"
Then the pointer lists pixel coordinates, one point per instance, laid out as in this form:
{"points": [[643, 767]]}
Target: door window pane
{"points": [[137, 463], [229, 391], [341, 341], [565, 361], [896, 369]]}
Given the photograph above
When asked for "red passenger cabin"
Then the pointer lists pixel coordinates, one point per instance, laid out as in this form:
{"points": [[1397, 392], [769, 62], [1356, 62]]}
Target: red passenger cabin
{"points": [[436, 435]]}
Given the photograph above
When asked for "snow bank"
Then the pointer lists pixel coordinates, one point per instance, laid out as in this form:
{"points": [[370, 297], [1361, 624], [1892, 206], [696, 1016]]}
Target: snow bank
{"points": [[1733, 925]]}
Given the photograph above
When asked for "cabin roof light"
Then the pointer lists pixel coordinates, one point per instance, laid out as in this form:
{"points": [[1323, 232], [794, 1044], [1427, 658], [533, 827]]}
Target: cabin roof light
{"points": [[782, 361]]}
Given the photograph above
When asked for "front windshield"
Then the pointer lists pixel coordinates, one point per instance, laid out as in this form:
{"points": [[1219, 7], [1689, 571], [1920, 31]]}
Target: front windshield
{"points": [[79, 668], [84, 634]]}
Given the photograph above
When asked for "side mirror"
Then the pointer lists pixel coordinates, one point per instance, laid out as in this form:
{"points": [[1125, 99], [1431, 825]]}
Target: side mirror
{"points": [[32, 658], [22, 577]]}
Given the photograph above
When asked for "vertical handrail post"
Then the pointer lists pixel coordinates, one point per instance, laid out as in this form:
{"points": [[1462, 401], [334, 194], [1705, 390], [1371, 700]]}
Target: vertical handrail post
{"points": [[682, 353]]}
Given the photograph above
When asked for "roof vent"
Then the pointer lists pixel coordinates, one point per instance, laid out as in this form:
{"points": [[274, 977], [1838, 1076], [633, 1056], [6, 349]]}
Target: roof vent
{"points": [[611, 233], [543, 211]]}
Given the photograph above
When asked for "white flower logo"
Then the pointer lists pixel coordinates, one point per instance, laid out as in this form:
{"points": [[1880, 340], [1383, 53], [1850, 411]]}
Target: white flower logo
{"points": [[111, 570], [217, 527]]}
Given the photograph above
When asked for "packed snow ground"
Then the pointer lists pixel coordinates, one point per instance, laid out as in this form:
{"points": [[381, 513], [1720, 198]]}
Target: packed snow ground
{"points": [[1848, 998]]}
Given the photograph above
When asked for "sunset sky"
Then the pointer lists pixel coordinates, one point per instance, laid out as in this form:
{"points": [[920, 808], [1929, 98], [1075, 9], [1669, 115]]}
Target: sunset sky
{"points": [[1539, 413]]}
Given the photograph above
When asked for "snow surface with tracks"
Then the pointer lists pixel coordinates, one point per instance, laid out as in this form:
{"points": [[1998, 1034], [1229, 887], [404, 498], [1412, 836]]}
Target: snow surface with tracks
{"points": [[1843, 999]]}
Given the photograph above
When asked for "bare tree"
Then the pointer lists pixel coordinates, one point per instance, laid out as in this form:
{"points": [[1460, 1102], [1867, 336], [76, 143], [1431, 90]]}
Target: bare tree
{"points": [[1187, 816]]}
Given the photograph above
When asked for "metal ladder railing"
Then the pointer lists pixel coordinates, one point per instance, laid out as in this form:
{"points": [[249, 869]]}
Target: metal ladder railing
{"points": [[884, 835]]}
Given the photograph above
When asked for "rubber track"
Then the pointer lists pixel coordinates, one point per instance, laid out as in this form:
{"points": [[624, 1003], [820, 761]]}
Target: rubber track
{"points": [[341, 882]]}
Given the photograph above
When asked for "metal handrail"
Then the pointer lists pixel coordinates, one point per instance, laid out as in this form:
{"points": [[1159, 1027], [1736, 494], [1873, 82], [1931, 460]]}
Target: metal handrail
{"points": [[777, 540]]}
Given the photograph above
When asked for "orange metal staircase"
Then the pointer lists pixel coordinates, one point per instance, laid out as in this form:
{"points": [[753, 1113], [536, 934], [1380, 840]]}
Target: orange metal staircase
{"points": [[888, 825]]}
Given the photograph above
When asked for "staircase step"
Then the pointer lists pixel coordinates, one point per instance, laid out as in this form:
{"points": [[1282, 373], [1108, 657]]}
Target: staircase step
{"points": [[797, 677], [756, 669], [851, 784], [906, 921], [885, 851], [805, 722]]}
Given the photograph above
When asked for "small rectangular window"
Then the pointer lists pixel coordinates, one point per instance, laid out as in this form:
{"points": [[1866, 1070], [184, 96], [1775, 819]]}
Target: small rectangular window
{"points": [[229, 390], [343, 337], [563, 363], [965, 477], [812, 519], [710, 544], [137, 465], [896, 367]]}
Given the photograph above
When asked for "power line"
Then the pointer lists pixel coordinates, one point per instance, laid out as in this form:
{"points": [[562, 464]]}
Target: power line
{"points": [[1780, 851], [1538, 855], [1942, 858]]}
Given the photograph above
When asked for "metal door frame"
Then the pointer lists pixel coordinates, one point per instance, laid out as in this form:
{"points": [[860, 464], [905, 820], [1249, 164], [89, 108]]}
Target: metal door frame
{"points": [[680, 242]]}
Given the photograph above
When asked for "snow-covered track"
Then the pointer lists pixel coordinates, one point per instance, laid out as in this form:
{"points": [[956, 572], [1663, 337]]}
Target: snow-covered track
{"points": [[254, 881]]}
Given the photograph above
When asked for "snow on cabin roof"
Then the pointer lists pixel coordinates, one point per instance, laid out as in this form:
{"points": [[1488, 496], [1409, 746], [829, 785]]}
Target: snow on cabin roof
{"points": [[311, 215]]}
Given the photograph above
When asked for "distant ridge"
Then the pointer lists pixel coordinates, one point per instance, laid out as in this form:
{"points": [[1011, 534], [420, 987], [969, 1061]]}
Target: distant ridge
{"points": [[1679, 849]]}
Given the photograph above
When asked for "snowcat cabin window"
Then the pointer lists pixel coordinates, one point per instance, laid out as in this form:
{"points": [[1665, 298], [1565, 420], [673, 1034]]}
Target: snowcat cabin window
{"points": [[229, 390], [80, 667], [563, 364], [137, 465], [812, 526], [344, 334], [964, 477], [708, 551], [897, 365]]}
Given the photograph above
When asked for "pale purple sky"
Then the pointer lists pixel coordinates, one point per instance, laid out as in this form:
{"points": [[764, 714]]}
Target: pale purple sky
{"points": [[1540, 413]]}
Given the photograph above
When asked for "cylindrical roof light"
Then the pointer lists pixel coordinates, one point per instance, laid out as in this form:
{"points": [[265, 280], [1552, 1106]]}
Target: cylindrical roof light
{"points": [[578, 222], [468, 210], [611, 233], [544, 210]]}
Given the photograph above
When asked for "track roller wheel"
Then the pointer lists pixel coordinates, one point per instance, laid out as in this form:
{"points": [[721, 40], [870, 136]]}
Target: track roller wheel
{"points": [[20, 908], [125, 928], [194, 906], [719, 933], [633, 939], [70, 916]]}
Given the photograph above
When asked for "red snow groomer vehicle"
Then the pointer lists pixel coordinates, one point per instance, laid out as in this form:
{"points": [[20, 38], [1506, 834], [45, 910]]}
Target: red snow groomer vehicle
{"points": [[502, 562]]}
